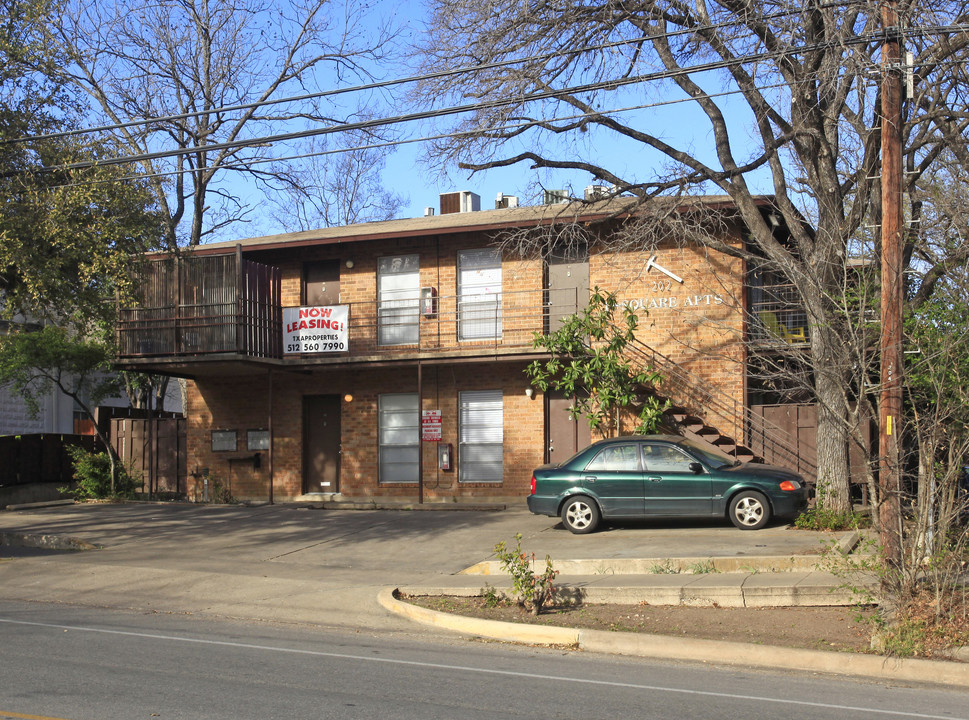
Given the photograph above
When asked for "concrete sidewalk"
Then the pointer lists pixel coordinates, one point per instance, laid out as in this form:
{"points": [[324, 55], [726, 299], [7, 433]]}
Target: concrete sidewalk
{"points": [[329, 567]]}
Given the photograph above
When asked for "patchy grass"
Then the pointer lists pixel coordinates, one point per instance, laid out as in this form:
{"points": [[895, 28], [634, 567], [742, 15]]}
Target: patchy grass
{"points": [[924, 627]]}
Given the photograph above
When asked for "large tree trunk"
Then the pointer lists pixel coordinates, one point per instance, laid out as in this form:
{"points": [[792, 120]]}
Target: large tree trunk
{"points": [[834, 477], [830, 386]]}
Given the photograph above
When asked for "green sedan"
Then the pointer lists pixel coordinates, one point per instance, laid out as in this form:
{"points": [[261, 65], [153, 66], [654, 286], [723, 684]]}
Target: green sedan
{"points": [[663, 476]]}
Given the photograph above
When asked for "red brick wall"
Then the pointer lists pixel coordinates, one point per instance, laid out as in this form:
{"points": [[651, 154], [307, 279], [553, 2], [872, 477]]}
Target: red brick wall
{"points": [[701, 328], [698, 323], [521, 288], [221, 404]]}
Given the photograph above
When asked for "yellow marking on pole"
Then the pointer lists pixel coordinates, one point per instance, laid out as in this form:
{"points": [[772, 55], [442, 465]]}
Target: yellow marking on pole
{"points": [[888, 428]]}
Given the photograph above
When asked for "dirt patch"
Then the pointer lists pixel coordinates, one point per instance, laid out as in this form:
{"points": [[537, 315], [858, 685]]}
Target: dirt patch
{"points": [[813, 628]]}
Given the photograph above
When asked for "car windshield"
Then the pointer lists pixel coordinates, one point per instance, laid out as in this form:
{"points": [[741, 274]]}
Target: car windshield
{"points": [[714, 458]]}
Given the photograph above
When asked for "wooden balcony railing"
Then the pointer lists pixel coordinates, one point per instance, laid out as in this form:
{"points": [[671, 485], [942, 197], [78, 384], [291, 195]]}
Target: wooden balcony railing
{"points": [[198, 306]]}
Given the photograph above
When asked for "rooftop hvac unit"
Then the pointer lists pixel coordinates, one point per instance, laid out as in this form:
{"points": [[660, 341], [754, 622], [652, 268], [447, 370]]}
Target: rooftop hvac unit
{"points": [[462, 201], [506, 201], [428, 211], [555, 197]]}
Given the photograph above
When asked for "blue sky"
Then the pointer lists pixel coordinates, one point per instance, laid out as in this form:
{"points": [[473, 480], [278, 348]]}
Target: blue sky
{"points": [[680, 124]]}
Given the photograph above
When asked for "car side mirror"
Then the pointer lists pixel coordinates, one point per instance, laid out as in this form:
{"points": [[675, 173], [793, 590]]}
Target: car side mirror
{"points": [[696, 467]]}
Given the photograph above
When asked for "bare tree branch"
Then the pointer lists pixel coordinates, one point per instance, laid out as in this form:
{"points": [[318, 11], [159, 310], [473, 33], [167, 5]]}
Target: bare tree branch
{"points": [[145, 61]]}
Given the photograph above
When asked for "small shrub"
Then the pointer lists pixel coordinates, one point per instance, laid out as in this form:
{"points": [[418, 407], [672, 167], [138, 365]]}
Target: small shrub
{"points": [[493, 597], [820, 517], [220, 493], [92, 471], [925, 626], [533, 591]]}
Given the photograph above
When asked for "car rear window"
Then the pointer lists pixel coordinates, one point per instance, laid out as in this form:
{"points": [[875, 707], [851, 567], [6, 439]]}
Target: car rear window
{"points": [[616, 458]]}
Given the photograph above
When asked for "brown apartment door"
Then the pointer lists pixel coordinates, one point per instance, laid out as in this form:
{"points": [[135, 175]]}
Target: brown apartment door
{"points": [[568, 283], [563, 436], [321, 443], [321, 283]]}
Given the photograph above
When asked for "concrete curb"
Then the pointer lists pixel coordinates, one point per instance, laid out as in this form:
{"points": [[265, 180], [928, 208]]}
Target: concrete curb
{"points": [[495, 629], [41, 504], [665, 647], [667, 566], [700, 565], [737, 590]]}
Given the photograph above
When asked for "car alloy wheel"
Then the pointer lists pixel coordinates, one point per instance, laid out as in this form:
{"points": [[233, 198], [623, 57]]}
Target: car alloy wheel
{"points": [[749, 510], [580, 515]]}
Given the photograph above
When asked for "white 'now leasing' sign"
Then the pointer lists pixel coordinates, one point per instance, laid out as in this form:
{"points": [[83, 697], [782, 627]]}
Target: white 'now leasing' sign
{"points": [[318, 329]]}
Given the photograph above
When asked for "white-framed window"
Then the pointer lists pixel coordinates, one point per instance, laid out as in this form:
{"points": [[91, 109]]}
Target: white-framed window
{"points": [[479, 294], [398, 300], [481, 434], [399, 430]]}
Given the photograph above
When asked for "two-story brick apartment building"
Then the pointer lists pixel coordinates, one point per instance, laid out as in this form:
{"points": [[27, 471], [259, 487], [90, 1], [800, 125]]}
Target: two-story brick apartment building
{"points": [[386, 359]]}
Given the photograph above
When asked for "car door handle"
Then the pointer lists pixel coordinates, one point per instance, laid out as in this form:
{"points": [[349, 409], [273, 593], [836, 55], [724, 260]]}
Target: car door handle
{"points": [[655, 478], [591, 478]]}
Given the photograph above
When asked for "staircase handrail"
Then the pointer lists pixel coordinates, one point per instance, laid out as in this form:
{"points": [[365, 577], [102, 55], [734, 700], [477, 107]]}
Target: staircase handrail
{"points": [[703, 400]]}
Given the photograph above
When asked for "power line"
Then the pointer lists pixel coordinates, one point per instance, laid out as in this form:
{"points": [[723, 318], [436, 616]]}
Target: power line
{"points": [[426, 138], [610, 84], [397, 81], [442, 136], [373, 123]]}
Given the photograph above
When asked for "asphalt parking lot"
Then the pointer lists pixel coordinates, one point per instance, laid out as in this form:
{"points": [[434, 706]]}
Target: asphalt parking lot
{"points": [[390, 542]]}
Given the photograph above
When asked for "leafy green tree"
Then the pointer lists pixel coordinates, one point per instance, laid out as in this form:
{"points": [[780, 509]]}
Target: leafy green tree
{"points": [[937, 385], [33, 94], [588, 363], [66, 235], [36, 362]]}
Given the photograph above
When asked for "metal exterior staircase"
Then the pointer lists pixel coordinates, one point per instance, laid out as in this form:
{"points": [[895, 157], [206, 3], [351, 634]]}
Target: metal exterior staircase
{"points": [[701, 411]]}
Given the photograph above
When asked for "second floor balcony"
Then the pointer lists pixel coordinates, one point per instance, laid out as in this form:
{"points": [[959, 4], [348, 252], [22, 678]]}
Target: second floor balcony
{"points": [[227, 306], [778, 315]]}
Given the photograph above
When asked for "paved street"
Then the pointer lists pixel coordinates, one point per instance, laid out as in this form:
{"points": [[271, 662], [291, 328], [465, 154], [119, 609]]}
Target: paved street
{"points": [[89, 663]]}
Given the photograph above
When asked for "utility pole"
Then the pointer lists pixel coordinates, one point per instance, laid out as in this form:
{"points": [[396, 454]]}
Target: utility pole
{"points": [[890, 404]]}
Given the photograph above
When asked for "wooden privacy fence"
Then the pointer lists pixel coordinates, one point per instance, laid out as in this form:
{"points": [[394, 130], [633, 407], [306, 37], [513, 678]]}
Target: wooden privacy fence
{"points": [[40, 458], [155, 449], [800, 422]]}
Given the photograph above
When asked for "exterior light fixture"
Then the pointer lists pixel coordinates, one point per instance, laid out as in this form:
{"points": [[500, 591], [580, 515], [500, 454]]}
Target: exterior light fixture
{"points": [[348, 398], [349, 264], [529, 393]]}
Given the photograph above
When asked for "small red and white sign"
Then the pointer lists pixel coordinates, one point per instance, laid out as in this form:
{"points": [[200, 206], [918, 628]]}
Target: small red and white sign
{"points": [[431, 425]]}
